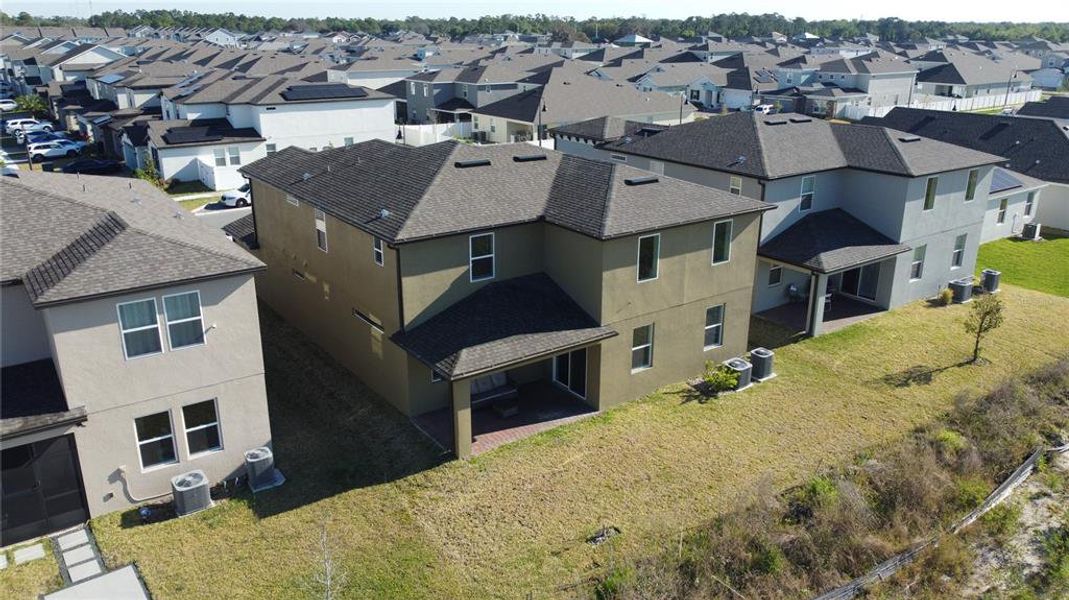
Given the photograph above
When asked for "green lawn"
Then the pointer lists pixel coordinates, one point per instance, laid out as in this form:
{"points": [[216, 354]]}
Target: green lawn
{"points": [[515, 520], [178, 188], [1042, 265], [30, 580], [194, 204]]}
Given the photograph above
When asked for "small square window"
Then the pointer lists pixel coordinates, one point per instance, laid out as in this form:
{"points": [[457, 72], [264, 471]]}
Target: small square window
{"points": [[436, 377], [271, 149], [775, 275], [348, 141]]}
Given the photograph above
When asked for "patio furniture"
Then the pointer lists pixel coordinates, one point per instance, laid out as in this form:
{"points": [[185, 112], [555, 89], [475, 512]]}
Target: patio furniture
{"points": [[491, 389], [795, 294]]}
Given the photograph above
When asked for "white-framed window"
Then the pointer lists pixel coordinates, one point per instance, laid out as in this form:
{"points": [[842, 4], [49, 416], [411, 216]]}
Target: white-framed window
{"points": [[321, 230], [930, 189], [916, 268], [1002, 204], [714, 327], [155, 440], [481, 257], [775, 275], [235, 155], [185, 325], [426, 89], [377, 251], [271, 149], [201, 422], [220, 157], [349, 141], [140, 328], [958, 256], [1029, 204], [721, 242], [970, 188], [412, 87], [735, 185], [642, 348], [805, 201], [649, 257]]}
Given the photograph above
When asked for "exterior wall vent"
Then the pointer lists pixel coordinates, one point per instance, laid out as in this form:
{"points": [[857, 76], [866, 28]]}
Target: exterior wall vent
{"points": [[192, 493]]}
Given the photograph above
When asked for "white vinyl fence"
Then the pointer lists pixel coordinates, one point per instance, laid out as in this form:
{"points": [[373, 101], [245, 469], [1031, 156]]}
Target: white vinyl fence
{"points": [[855, 113], [421, 135]]}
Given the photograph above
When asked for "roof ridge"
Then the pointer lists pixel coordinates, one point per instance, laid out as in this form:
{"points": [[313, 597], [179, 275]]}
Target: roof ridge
{"points": [[894, 147], [608, 199], [760, 142]]}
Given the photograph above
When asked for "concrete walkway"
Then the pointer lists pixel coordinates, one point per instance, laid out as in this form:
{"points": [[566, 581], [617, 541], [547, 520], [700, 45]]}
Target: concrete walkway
{"points": [[121, 584], [82, 569]]}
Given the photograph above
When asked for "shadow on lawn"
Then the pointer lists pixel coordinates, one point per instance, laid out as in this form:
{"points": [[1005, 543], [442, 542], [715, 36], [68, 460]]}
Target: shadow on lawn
{"points": [[917, 375]]}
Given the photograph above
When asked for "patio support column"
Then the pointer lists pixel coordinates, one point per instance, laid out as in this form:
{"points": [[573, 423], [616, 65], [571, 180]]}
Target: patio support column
{"points": [[462, 418], [816, 303]]}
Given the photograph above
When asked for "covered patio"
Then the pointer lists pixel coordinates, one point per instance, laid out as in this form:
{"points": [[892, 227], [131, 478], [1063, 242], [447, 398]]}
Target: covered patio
{"points": [[520, 356], [850, 268]]}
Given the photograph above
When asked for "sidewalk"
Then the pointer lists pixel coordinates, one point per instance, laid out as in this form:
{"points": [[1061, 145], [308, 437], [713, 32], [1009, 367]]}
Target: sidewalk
{"points": [[82, 569]]}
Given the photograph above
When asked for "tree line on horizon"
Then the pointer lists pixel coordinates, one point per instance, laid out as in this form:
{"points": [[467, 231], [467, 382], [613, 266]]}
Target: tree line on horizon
{"points": [[732, 25]]}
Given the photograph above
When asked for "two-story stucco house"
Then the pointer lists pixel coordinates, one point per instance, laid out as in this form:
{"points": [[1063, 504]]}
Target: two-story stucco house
{"points": [[447, 274], [866, 216], [130, 350]]}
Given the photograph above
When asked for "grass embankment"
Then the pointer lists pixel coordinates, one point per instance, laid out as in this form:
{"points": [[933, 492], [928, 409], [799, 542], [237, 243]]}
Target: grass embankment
{"points": [[1042, 265], [515, 520]]}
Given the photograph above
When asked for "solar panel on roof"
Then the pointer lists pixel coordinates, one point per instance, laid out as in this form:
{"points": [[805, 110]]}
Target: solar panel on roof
{"points": [[324, 91], [189, 135]]}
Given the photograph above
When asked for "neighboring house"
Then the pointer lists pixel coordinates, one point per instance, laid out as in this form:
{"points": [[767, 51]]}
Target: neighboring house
{"points": [[222, 37], [563, 95], [451, 94], [77, 63], [958, 74], [130, 350], [1055, 107], [1013, 201], [207, 150], [879, 216], [438, 273], [586, 138], [1034, 147]]}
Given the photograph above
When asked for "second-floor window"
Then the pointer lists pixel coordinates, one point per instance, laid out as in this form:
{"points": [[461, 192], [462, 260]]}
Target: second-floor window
{"points": [[970, 188], [808, 187], [959, 251], [1029, 202], [348, 141], [649, 256], [721, 242], [377, 252], [185, 326], [321, 230], [929, 192], [271, 149], [155, 440], [916, 268], [1002, 204], [714, 326], [735, 185], [140, 328], [642, 348], [481, 257]]}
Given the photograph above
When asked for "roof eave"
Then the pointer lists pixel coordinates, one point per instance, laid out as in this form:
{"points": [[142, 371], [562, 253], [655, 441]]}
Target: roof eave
{"points": [[111, 293]]}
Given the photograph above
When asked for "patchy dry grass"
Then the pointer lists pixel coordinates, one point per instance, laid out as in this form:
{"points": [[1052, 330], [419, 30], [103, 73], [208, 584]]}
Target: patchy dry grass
{"points": [[1042, 266], [515, 520], [30, 580]]}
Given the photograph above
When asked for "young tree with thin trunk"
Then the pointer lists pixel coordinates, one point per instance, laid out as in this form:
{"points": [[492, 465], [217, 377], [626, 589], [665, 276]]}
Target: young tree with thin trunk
{"points": [[986, 316]]}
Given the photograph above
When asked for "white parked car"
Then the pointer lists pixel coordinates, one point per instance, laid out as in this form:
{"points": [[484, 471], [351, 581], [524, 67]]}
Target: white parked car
{"points": [[7, 104], [18, 126], [765, 109], [54, 149], [239, 197]]}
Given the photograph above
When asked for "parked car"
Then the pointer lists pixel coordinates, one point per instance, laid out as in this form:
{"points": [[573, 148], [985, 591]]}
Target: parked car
{"points": [[27, 124], [6, 105], [239, 197], [93, 166], [54, 149], [765, 109], [36, 137]]}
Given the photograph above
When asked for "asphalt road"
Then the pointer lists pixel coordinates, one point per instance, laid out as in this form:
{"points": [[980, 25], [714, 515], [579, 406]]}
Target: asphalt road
{"points": [[219, 218]]}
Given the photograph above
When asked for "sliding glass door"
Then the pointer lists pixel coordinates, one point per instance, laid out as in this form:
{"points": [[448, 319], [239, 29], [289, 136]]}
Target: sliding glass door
{"points": [[569, 370], [863, 282]]}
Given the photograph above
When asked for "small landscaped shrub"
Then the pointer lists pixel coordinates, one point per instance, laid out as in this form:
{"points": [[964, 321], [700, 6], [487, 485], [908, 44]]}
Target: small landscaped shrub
{"points": [[970, 493], [1002, 520], [950, 442], [945, 297], [719, 378]]}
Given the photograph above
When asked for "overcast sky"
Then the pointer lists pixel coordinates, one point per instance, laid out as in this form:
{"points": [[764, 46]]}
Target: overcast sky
{"points": [[952, 10]]}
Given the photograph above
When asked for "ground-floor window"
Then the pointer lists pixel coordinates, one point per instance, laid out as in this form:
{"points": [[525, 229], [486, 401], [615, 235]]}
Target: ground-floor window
{"points": [[1029, 202], [1002, 210], [642, 348], [916, 268], [714, 326], [958, 256], [155, 440], [202, 427]]}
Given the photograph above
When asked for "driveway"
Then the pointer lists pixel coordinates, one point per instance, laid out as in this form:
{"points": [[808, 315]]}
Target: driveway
{"points": [[218, 216]]}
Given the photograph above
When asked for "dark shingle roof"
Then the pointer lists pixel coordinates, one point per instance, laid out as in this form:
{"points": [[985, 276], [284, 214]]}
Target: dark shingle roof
{"points": [[68, 237], [500, 324], [428, 192], [242, 230], [1035, 147], [1055, 107], [830, 241], [32, 399], [605, 129]]}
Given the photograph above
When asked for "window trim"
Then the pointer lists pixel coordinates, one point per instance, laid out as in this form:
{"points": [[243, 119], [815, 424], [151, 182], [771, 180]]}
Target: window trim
{"points": [[218, 428], [472, 258], [648, 344], [270, 149], [168, 322], [934, 192], [123, 332], [320, 219], [812, 193], [914, 262], [779, 269], [957, 256], [732, 188], [971, 184], [219, 154], [378, 251], [1003, 208], [1030, 203], [232, 153], [656, 261], [719, 326], [731, 231], [139, 442]]}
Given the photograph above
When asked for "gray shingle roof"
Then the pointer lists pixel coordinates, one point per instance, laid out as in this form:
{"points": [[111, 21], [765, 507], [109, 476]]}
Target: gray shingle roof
{"points": [[32, 399], [605, 129], [829, 241], [428, 195], [1055, 107], [500, 324], [68, 237]]}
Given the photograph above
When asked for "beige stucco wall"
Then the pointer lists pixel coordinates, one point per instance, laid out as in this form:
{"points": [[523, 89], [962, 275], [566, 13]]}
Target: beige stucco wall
{"points": [[87, 348], [22, 336]]}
